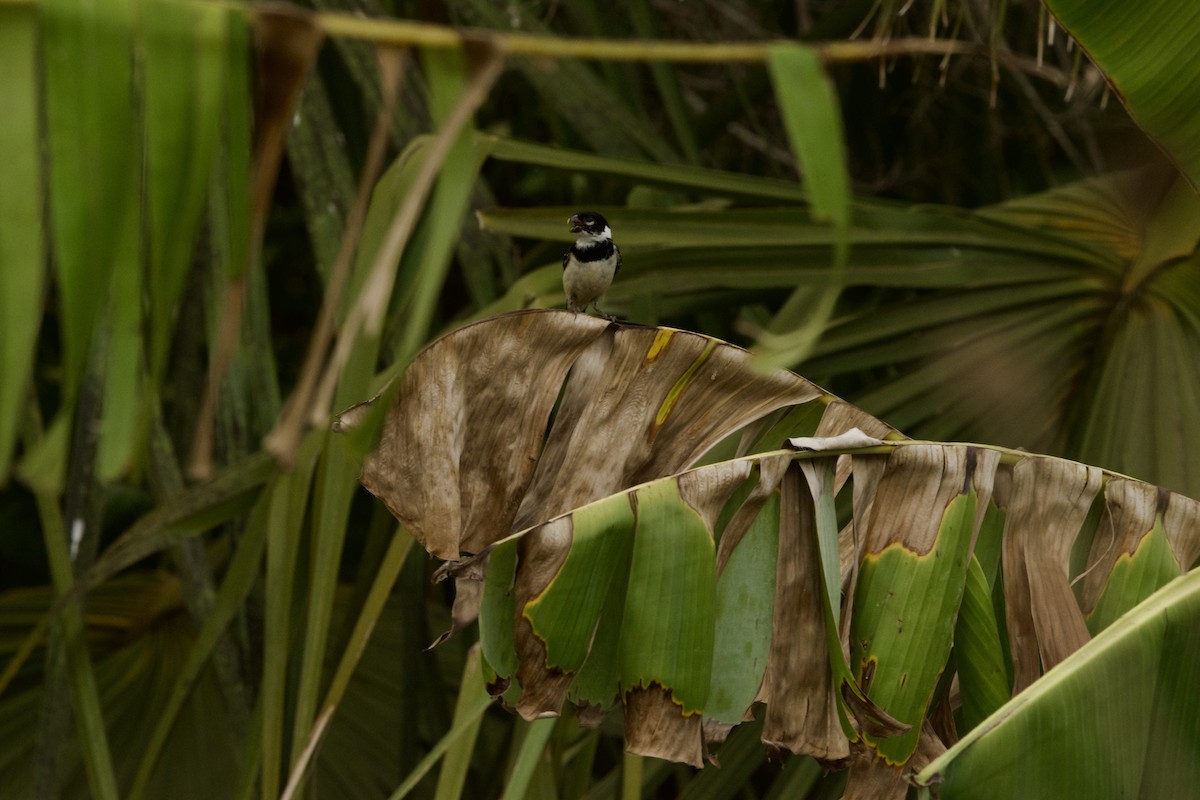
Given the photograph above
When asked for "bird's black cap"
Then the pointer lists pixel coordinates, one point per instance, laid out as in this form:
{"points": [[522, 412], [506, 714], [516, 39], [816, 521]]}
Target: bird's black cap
{"points": [[587, 222]]}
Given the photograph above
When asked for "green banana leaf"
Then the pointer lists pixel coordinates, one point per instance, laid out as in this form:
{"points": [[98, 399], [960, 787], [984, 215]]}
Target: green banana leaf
{"points": [[1115, 719], [626, 600]]}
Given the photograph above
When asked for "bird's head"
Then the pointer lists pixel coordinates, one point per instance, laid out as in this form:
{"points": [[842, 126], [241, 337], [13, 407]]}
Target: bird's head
{"points": [[590, 226]]}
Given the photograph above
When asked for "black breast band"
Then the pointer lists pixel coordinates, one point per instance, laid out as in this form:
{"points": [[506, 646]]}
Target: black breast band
{"points": [[597, 252]]}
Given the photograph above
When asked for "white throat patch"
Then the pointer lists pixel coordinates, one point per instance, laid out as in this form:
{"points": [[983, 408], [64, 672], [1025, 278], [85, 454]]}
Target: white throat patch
{"points": [[587, 240]]}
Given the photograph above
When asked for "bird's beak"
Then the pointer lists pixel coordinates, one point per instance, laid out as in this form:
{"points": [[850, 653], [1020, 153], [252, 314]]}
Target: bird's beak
{"points": [[575, 224]]}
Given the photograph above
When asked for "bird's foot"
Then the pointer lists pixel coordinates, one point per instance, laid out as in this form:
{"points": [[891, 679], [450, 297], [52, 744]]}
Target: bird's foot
{"points": [[605, 314]]}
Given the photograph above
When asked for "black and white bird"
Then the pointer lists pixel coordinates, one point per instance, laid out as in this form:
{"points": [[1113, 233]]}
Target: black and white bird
{"points": [[591, 263]]}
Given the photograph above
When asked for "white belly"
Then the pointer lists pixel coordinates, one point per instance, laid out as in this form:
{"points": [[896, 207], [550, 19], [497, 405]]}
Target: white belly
{"points": [[585, 281]]}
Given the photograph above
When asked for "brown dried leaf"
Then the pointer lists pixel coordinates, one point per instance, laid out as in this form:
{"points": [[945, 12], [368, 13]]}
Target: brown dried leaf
{"points": [[468, 595], [1182, 522], [459, 464], [542, 554], [1049, 502], [462, 438], [873, 778], [870, 718], [840, 417], [1129, 508], [907, 506], [590, 716], [867, 471], [798, 687], [644, 404], [771, 472], [984, 478], [655, 727], [707, 491]]}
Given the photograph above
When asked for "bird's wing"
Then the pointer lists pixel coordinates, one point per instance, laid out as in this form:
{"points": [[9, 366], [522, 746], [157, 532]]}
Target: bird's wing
{"points": [[566, 257]]}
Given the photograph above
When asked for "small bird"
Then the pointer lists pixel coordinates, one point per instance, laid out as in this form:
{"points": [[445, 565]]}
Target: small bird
{"points": [[591, 263]]}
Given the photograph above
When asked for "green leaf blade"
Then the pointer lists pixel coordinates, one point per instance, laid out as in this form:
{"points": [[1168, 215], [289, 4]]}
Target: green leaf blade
{"points": [[1135, 576], [811, 115], [745, 605], [496, 611], [982, 673], [906, 606], [565, 615], [667, 632], [1073, 735], [88, 56], [184, 49]]}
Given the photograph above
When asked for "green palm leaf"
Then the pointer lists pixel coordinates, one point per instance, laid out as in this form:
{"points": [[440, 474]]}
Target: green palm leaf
{"points": [[1150, 53]]}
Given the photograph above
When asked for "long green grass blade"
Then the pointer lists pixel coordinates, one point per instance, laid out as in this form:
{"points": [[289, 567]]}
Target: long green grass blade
{"points": [[87, 57], [324, 177], [191, 512], [707, 180], [385, 579], [427, 258], [813, 120], [239, 579], [473, 701], [22, 256], [339, 465], [247, 777], [940, 229], [809, 106], [337, 484], [229, 197], [90, 125], [287, 507], [124, 403], [89, 717], [529, 757], [185, 51]]}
